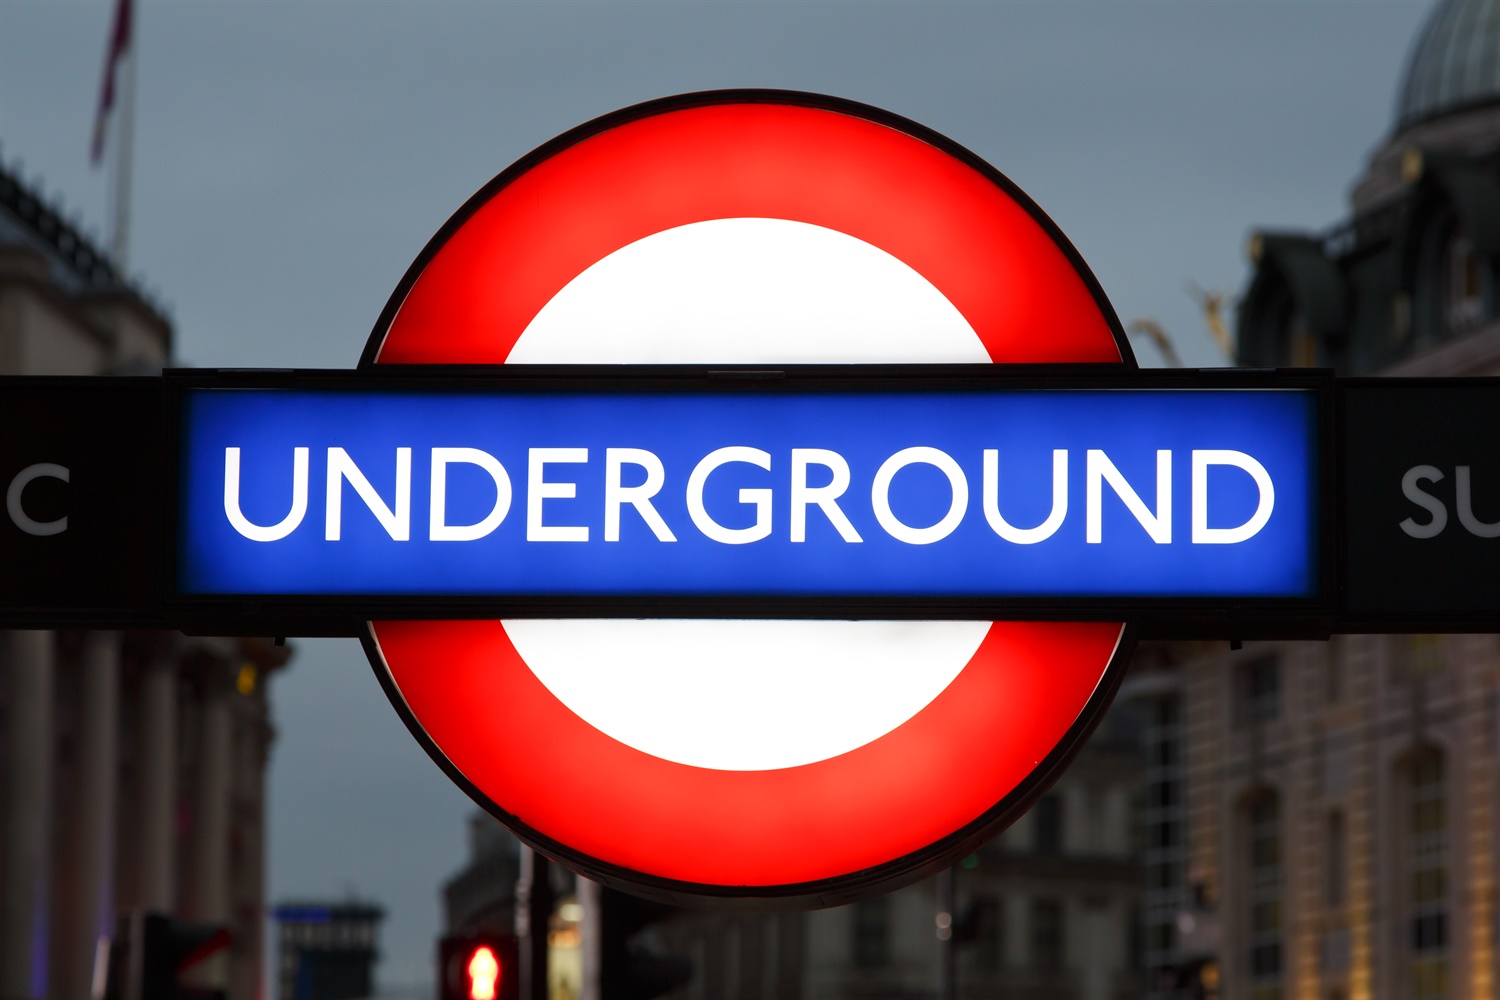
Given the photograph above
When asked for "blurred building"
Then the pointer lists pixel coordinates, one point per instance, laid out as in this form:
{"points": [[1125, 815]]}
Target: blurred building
{"points": [[1322, 817], [1047, 911], [479, 904], [481, 897], [326, 951], [132, 765]]}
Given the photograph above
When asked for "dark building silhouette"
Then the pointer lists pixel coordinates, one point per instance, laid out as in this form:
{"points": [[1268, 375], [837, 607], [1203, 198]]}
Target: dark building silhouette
{"points": [[326, 951], [1407, 285]]}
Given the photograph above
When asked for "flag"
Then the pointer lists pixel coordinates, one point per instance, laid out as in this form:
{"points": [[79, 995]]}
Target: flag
{"points": [[119, 45]]}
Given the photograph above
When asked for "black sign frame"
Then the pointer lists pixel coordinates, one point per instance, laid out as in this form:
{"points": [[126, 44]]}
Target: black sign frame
{"points": [[1156, 614], [118, 574]]}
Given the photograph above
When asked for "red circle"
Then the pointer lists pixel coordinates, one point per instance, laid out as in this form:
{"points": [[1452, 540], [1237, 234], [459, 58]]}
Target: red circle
{"points": [[958, 767]]}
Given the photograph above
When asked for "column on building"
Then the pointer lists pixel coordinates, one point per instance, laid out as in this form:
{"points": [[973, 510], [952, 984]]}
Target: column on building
{"points": [[789, 930], [208, 898], [88, 917], [1474, 671], [155, 808], [29, 661], [253, 735], [208, 884]]}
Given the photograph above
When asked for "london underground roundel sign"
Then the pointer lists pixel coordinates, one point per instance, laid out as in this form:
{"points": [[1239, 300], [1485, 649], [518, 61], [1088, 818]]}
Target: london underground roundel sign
{"points": [[805, 761]]}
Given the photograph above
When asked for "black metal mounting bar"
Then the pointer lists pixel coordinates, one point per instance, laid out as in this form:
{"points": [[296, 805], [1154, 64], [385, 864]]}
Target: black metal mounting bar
{"points": [[94, 546]]}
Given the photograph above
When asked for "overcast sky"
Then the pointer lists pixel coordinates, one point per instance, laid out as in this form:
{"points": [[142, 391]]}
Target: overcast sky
{"points": [[292, 158]]}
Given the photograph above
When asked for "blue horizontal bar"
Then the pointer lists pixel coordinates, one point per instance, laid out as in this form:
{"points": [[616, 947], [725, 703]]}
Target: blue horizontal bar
{"points": [[983, 493]]}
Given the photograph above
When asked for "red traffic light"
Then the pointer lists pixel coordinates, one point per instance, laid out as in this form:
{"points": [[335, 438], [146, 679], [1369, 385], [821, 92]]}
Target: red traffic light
{"points": [[483, 973], [477, 967]]}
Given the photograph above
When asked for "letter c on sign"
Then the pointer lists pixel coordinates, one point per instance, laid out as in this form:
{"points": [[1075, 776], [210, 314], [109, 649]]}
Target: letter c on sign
{"points": [[18, 486]]}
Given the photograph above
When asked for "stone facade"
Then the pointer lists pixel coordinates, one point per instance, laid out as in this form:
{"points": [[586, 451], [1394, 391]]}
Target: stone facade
{"points": [[132, 765], [1335, 838]]}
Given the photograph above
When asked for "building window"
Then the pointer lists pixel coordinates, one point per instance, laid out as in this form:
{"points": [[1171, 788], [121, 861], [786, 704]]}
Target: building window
{"points": [[1163, 937], [1164, 835], [1453, 281], [1463, 307], [1161, 875], [1047, 824], [1166, 711], [1164, 753], [1333, 861], [1265, 897], [1162, 825], [986, 930], [1427, 861], [1259, 683], [1047, 934], [1135, 938], [872, 932]]}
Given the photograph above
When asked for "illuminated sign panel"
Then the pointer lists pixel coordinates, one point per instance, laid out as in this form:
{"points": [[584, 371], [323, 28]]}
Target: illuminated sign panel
{"points": [[759, 228], [998, 493]]}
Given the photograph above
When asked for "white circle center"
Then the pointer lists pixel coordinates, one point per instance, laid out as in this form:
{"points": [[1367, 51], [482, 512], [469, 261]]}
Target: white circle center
{"points": [[747, 695], [748, 291]]}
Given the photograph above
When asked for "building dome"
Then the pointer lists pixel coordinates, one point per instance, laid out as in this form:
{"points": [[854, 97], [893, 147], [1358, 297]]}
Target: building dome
{"points": [[1456, 62]]}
